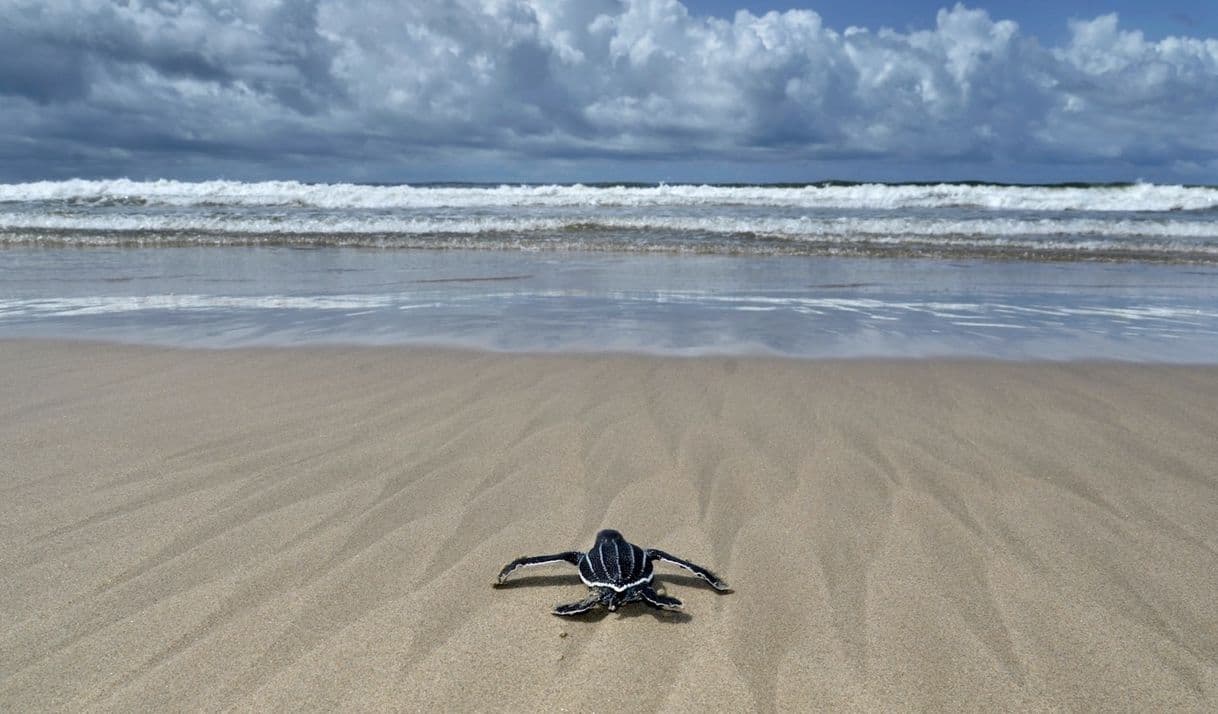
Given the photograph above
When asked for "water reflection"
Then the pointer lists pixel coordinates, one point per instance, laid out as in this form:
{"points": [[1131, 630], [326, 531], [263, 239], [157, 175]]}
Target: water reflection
{"points": [[805, 307]]}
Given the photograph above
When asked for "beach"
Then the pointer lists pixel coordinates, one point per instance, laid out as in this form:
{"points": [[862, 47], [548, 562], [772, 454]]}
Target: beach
{"points": [[887, 334], [320, 527]]}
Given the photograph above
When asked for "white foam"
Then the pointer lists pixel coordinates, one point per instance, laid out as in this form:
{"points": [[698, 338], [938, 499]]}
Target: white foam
{"points": [[969, 315], [1137, 197], [1072, 234], [108, 305]]}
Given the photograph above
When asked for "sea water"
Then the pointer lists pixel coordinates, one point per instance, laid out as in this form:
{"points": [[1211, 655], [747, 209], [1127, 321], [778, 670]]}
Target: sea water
{"points": [[826, 270]]}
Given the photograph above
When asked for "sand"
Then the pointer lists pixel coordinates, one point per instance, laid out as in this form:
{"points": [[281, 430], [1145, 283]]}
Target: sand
{"points": [[320, 528]]}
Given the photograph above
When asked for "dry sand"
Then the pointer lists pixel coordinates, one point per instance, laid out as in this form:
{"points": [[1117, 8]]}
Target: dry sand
{"points": [[318, 529]]}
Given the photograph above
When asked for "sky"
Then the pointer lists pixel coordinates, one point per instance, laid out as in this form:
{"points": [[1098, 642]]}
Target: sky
{"points": [[1046, 20], [609, 90]]}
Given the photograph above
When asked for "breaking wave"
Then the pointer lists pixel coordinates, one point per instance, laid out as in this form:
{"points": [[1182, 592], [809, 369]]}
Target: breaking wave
{"points": [[1139, 197], [1076, 222]]}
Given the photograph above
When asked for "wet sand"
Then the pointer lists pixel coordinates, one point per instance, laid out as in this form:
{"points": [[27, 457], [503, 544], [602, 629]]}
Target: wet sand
{"points": [[319, 528]]}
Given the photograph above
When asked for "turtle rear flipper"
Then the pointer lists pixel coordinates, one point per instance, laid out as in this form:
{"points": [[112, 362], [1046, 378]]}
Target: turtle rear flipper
{"points": [[575, 608], [658, 601]]}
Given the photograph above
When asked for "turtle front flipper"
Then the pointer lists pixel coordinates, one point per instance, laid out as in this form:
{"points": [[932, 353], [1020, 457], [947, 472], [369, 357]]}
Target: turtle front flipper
{"points": [[575, 608], [715, 581], [658, 601], [571, 557]]}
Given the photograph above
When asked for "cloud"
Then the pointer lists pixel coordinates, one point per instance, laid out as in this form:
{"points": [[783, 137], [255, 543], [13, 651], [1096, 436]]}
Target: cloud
{"points": [[257, 86]]}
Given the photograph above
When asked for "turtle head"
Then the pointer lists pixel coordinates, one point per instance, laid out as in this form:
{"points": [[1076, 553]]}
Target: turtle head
{"points": [[608, 534]]}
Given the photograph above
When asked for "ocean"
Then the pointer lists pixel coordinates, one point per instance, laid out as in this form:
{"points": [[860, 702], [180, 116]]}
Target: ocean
{"points": [[1125, 272]]}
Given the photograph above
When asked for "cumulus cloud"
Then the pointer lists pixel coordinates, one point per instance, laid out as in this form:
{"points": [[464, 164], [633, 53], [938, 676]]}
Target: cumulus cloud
{"points": [[249, 86]]}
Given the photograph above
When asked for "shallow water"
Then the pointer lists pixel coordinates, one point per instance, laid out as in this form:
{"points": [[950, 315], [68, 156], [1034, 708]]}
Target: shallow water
{"points": [[802, 306]]}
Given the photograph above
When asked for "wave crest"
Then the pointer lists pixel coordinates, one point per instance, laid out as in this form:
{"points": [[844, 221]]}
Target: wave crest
{"points": [[1141, 197]]}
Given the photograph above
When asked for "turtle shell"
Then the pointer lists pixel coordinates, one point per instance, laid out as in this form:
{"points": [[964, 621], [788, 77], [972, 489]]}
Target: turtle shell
{"points": [[614, 563]]}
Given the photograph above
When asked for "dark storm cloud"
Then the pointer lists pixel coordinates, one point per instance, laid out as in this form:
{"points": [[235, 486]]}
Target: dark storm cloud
{"points": [[332, 88]]}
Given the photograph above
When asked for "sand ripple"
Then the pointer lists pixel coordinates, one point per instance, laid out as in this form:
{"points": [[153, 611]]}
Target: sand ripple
{"points": [[318, 529]]}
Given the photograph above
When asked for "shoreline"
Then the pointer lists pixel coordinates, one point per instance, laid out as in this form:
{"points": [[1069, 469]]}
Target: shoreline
{"points": [[319, 526], [593, 303], [423, 347]]}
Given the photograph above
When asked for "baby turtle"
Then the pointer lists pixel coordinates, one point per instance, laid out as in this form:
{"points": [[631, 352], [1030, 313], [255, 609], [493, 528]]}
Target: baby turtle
{"points": [[618, 572]]}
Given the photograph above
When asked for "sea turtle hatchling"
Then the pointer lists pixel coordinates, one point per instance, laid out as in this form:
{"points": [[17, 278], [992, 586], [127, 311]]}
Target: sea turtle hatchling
{"points": [[617, 571]]}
